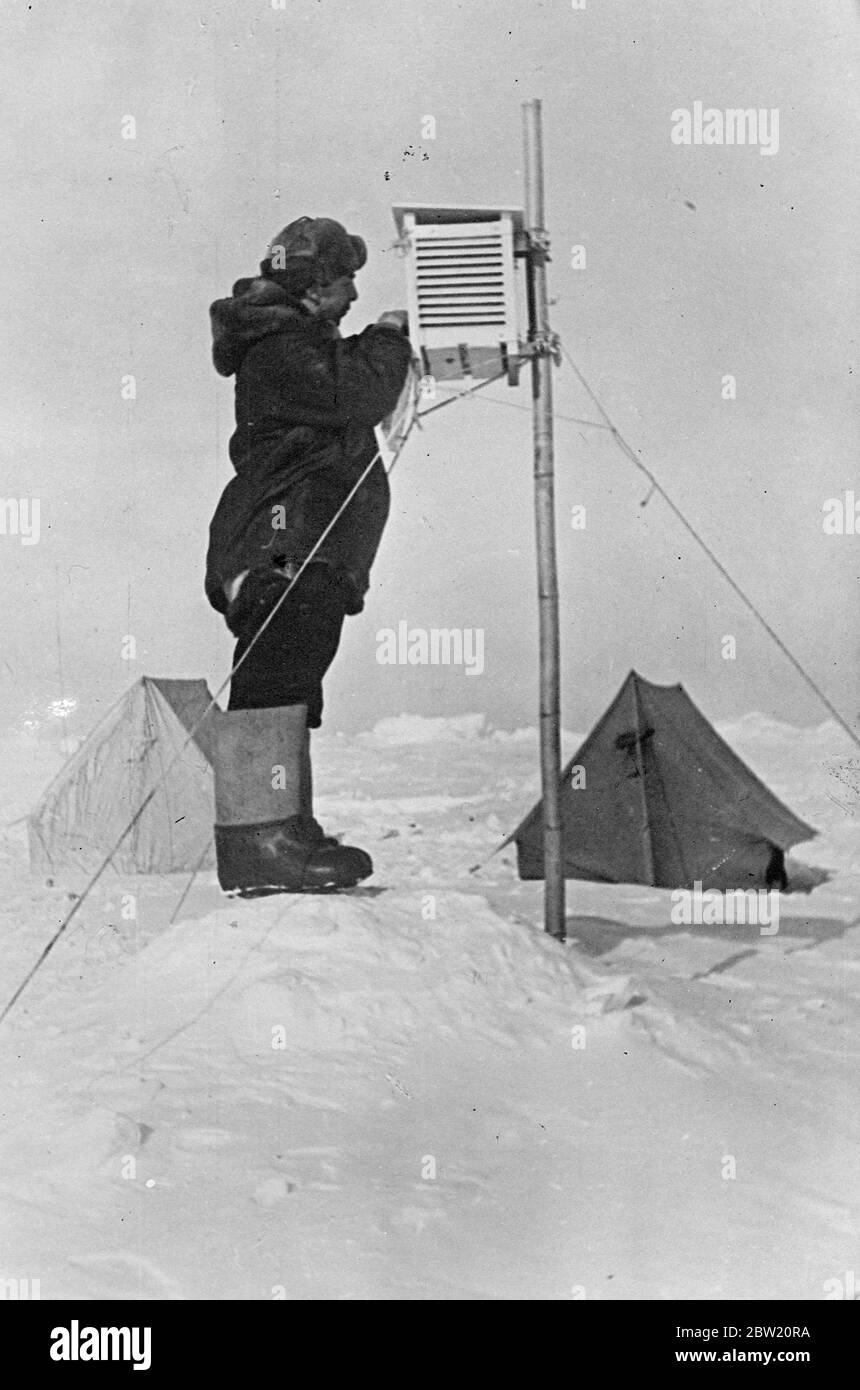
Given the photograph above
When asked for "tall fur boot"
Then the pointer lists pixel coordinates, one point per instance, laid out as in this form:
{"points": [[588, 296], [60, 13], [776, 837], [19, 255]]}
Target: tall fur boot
{"points": [[265, 834]]}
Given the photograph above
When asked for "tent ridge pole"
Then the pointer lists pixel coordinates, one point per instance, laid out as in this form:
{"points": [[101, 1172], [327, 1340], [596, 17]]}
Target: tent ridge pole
{"points": [[647, 841]]}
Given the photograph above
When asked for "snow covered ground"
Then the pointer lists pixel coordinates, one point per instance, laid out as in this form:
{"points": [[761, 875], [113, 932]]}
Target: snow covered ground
{"points": [[413, 1093]]}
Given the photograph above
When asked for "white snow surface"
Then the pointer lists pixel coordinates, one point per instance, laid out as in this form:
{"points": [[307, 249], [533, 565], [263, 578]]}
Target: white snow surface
{"points": [[416, 1094]]}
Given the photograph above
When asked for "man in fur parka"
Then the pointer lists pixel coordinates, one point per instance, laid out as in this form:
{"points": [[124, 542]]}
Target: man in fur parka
{"points": [[307, 401]]}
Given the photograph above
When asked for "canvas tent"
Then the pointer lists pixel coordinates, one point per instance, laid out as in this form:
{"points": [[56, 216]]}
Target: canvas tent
{"points": [[85, 809], [655, 796]]}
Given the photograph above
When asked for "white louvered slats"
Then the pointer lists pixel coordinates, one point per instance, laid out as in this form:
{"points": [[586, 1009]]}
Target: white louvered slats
{"points": [[460, 279], [460, 282]]}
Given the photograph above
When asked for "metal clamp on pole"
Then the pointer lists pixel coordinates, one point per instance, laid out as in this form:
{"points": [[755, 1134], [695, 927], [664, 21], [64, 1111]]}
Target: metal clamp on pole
{"points": [[543, 344], [537, 238]]}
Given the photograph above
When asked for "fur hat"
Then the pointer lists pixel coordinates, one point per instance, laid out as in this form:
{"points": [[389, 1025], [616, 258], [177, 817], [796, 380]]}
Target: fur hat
{"points": [[312, 250]]}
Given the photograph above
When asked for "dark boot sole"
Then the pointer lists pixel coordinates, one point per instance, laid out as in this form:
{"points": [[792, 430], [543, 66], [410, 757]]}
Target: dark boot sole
{"points": [[269, 891]]}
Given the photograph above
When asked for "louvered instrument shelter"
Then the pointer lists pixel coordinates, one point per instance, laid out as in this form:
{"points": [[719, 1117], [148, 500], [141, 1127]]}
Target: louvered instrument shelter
{"points": [[461, 287]]}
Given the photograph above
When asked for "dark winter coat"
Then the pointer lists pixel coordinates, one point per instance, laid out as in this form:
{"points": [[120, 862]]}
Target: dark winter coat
{"points": [[306, 404]]}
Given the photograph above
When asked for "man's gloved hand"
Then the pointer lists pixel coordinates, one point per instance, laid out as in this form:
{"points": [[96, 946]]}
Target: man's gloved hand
{"points": [[394, 318]]}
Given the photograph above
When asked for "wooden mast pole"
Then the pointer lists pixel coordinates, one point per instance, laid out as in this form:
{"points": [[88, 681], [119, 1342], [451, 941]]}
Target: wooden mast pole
{"points": [[541, 340]]}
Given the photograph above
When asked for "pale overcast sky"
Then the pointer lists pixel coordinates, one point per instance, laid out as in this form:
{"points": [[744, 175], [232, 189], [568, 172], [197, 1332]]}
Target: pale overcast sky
{"points": [[702, 262]]}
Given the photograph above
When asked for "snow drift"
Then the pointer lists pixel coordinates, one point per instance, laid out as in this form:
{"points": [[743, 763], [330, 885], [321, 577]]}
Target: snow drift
{"points": [[413, 1093]]}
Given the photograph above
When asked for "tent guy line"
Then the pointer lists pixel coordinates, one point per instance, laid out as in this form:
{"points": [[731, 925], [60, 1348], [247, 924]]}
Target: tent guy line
{"points": [[190, 884]]}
